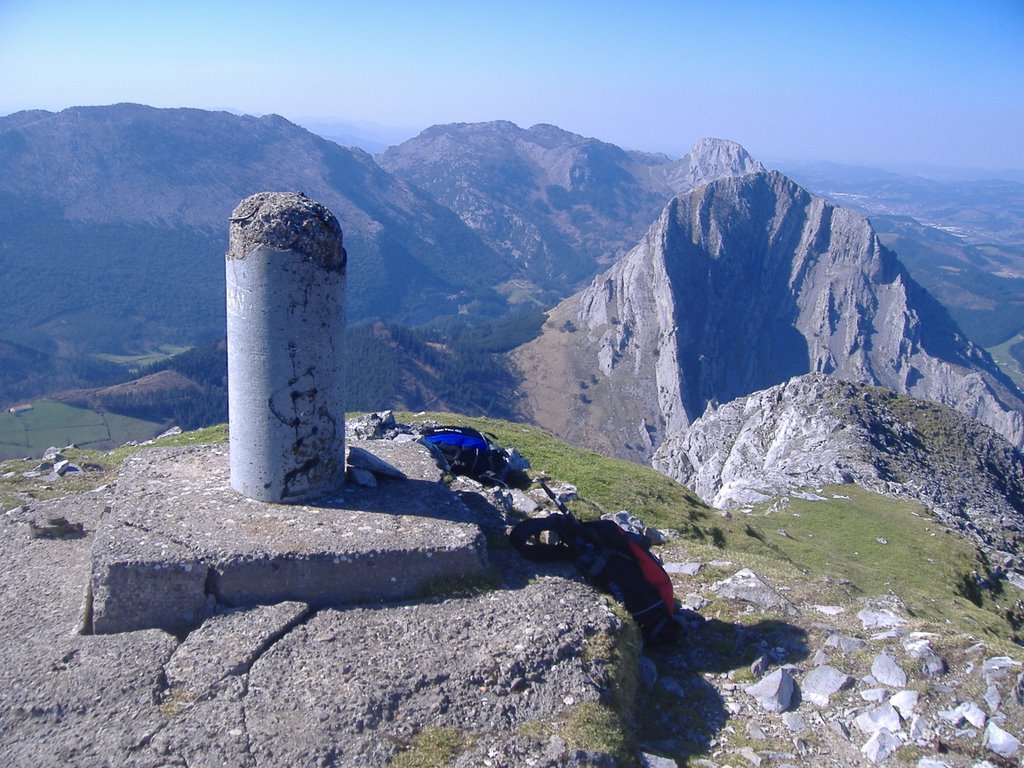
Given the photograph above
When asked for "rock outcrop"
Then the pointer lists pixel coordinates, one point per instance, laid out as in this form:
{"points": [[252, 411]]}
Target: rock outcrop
{"points": [[816, 430], [741, 284]]}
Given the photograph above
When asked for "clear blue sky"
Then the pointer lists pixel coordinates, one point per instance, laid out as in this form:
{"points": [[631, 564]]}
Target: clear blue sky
{"points": [[861, 81]]}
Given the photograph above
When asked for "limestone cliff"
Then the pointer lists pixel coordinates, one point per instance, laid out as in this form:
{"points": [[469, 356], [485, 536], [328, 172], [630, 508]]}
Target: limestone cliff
{"points": [[816, 429], [741, 284]]}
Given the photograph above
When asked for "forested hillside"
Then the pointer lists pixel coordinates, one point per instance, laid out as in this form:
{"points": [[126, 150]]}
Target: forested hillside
{"points": [[460, 367]]}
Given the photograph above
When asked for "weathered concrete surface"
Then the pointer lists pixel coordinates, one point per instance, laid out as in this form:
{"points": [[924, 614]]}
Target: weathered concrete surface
{"points": [[178, 540], [286, 684], [66, 699], [483, 664]]}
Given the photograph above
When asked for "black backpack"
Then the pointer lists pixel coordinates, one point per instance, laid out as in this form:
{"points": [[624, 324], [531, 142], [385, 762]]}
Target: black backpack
{"points": [[469, 452], [611, 559]]}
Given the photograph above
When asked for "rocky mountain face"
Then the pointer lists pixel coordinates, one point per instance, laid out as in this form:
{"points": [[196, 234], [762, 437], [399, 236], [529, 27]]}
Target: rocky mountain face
{"points": [[115, 218], [817, 430], [557, 204], [741, 284]]}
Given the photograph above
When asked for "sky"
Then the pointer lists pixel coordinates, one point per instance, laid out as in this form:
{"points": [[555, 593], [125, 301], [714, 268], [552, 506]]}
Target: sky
{"points": [[882, 83]]}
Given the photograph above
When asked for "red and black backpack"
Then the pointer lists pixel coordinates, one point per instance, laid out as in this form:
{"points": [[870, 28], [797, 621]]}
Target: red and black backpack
{"points": [[610, 558]]}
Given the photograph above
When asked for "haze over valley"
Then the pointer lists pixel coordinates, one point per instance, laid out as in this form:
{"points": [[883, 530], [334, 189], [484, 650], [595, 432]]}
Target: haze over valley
{"points": [[114, 221]]}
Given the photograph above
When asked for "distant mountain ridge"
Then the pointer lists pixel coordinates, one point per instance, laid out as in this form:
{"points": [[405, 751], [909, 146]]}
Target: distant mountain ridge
{"points": [[131, 203], [740, 285], [555, 202]]}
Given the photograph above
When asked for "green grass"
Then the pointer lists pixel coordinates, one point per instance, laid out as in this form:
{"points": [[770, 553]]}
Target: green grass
{"points": [[604, 485], [143, 359], [869, 545], [431, 748], [32, 432], [1001, 354]]}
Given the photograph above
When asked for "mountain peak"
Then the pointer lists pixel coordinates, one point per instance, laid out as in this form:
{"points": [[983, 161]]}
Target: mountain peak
{"points": [[744, 282], [712, 159]]}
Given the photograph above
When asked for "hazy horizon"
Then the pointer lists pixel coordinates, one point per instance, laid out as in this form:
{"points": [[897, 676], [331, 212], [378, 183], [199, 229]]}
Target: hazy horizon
{"points": [[869, 83]]}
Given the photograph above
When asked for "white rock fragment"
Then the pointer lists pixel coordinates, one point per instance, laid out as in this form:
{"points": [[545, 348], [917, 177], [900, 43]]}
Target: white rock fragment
{"points": [[775, 692], [882, 617], [1001, 742], [881, 746], [887, 672], [821, 683], [884, 716], [904, 702]]}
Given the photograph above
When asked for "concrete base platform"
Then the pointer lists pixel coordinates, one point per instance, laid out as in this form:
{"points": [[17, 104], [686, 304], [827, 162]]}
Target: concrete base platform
{"points": [[177, 541]]}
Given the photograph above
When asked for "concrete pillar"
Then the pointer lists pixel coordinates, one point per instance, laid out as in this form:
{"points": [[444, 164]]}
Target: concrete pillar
{"points": [[285, 269]]}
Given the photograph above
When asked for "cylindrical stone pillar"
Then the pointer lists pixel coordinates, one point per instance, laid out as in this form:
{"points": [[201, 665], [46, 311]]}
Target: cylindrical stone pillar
{"points": [[285, 270]]}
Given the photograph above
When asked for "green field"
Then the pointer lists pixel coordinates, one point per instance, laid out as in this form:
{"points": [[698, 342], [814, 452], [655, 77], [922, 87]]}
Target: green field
{"points": [[143, 359], [1010, 366], [32, 432]]}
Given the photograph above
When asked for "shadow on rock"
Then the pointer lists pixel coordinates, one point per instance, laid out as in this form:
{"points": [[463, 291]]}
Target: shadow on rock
{"points": [[679, 712]]}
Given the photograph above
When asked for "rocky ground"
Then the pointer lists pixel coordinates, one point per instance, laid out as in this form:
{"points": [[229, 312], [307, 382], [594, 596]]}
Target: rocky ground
{"points": [[530, 668]]}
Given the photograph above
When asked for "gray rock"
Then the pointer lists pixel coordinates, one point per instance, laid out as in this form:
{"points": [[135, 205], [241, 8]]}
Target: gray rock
{"points": [[876, 718], [905, 702], [794, 721], [653, 761], [361, 458], [874, 694], [228, 644], [882, 744], [693, 601], [918, 730], [839, 727], [775, 692], [522, 503], [846, 645], [648, 673], [362, 477], [685, 569], [1001, 742], [999, 670], [887, 672], [872, 618], [993, 698], [759, 666], [933, 665], [821, 683], [747, 586], [371, 426], [966, 711]]}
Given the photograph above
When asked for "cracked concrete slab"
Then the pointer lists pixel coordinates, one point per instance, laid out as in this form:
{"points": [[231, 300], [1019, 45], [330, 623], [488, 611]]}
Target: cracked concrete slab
{"points": [[228, 644], [178, 539], [284, 684]]}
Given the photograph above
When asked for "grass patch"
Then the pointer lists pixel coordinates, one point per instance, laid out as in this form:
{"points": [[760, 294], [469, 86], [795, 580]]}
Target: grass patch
{"points": [[1001, 354], [598, 727], [143, 359], [432, 748], [605, 485], [55, 424], [875, 545]]}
